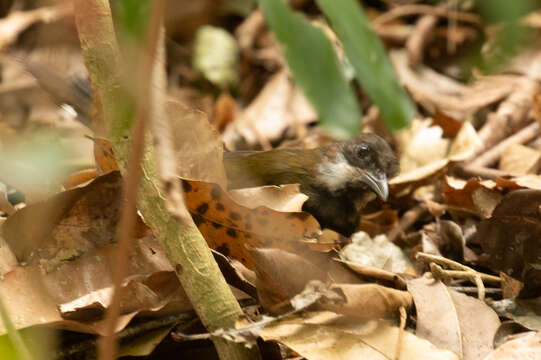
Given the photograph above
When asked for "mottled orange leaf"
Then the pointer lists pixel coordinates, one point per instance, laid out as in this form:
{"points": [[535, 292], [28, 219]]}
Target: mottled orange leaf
{"points": [[231, 228]]}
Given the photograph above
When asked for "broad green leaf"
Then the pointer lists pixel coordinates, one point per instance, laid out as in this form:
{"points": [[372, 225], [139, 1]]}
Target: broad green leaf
{"points": [[315, 68], [373, 69]]}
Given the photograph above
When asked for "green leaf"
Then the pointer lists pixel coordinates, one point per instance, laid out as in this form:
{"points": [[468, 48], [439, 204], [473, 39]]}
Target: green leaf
{"points": [[372, 66], [315, 68]]}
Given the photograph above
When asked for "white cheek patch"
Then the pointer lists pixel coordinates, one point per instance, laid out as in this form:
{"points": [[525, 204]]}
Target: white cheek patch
{"points": [[336, 174]]}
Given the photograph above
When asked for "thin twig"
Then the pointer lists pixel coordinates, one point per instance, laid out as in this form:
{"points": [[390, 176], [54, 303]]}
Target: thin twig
{"points": [[420, 36], [408, 219], [409, 10], [126, 225], [468, 171], [459, 271]]}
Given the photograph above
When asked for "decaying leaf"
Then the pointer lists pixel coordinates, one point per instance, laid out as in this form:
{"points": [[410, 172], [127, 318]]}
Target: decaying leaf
{"points": [[511, 238], [452, 320], [34, 296], [66, 225], [378, 252]]}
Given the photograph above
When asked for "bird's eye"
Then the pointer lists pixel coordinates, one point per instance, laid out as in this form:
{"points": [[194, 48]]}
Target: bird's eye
{"points": [[362, 150]]}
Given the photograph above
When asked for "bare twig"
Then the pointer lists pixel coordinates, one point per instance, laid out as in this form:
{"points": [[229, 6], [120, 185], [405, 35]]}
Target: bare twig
{"points": [[492, 155], [408, 10], [126, 225], [420, 36], [511, 114]]}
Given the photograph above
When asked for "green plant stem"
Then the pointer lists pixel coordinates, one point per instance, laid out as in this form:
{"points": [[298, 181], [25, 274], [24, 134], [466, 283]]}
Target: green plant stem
{"points": [[187, 250]]}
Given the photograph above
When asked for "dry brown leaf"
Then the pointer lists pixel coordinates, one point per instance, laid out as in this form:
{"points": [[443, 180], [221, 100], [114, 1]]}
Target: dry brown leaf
{"points": [[34, 296], [451, 320], [526, 346], [230, 228], [369, 301], [328, 336], [449, 124], [480, 197], [66, 225], [275, 283]]}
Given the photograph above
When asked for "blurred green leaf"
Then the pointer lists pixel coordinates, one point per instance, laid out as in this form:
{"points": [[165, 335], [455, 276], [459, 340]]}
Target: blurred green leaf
{"points": [[35, 163], [373, 69], [315, 68], [510, 36], [215, 56]]}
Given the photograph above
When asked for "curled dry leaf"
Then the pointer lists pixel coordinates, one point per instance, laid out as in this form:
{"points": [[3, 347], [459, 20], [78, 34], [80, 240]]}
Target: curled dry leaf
{"points": [[375, 273], [369, 301], [231, 228], [460, 148], [328, 336], [287, 198], [452, 320], [480, 197]]}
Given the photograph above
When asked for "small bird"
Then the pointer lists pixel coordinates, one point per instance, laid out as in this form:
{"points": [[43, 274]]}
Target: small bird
{"points": [[339, 179]]}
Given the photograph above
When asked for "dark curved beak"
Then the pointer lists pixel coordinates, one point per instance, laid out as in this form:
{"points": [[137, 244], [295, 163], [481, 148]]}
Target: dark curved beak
{"points": [[377, 183]]}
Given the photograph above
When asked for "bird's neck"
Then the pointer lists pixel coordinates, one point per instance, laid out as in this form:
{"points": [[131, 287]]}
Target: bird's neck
{"points": [[274, 167]]}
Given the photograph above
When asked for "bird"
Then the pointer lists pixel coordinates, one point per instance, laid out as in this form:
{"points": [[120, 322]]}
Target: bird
{"points": [[340, 178]]}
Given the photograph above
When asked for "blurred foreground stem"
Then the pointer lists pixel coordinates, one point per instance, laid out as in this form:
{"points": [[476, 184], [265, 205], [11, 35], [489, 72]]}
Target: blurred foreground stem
{"points": [[186, 249]]}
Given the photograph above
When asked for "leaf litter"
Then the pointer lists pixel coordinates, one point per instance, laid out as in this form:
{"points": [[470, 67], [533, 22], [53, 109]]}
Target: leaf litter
{"points": [[467, 194]]}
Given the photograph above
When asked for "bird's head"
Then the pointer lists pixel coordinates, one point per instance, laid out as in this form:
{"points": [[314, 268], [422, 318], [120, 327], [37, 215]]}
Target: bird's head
{"points": [[364, 162]]}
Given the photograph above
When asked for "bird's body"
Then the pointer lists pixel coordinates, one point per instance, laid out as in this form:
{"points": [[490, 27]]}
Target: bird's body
{"points": [[339, 179]]}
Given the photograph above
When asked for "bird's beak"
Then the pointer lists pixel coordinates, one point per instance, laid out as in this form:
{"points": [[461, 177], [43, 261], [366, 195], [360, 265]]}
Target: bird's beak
{"points": [[377, 183]]}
